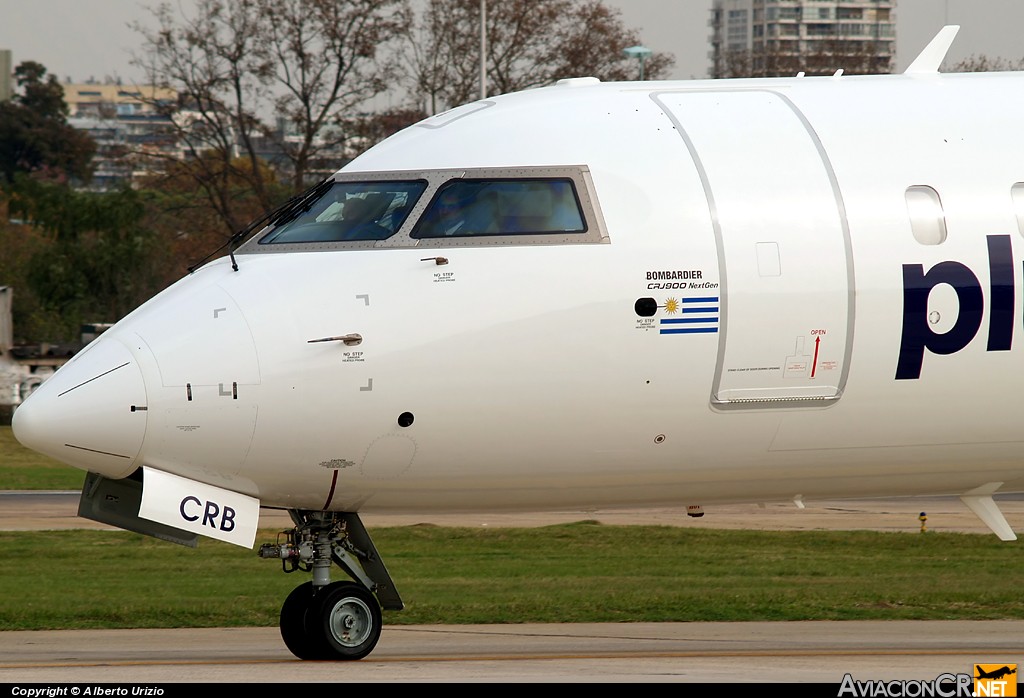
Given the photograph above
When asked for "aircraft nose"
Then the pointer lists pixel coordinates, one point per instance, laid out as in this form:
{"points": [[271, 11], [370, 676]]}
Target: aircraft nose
{"points": [[91, 414]]}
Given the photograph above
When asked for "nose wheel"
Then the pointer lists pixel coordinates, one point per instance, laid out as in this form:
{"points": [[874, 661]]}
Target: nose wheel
{"points": [[349, 620], [339, 621], [293, 623]]}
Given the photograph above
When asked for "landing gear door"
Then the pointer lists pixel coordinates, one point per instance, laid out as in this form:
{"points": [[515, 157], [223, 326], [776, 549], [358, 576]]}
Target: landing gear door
{"points": [[786, 300]]}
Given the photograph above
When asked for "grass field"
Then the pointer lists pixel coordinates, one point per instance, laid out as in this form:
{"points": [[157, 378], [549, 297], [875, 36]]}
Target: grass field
{"points": [[583, 572], [22, 469]]}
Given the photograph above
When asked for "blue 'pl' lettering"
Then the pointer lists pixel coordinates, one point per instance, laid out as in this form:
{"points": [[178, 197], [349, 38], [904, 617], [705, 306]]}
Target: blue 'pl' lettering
{"points": [[1000, 264], [917, 333]]}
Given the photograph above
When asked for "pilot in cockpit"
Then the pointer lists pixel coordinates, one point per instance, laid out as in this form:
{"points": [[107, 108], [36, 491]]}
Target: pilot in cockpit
{"points": [[450, 220], [359, 216]]}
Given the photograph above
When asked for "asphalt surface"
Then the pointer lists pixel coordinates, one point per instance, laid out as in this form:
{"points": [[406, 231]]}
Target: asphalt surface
{"points": [[819, 652]]}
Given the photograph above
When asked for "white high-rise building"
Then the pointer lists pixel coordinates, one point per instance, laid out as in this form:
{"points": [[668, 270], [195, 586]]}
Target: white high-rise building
{"points": [[782, 37]]}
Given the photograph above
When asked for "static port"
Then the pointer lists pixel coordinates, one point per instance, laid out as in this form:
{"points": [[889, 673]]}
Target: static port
{"points": [[405, 419], [646, 307]]}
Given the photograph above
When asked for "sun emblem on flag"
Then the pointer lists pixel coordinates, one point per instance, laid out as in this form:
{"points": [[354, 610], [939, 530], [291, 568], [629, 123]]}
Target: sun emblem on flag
{"points": [[671, 306]]}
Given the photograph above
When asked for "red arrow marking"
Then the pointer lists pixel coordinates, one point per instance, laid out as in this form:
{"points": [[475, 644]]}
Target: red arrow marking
{"points": [[814, 366]]}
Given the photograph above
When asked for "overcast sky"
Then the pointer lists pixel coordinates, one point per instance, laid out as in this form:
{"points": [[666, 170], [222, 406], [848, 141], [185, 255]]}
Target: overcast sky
{"points": [[91, 38]]}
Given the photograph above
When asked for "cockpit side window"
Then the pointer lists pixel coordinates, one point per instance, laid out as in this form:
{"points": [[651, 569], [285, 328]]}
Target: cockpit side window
{"points": [[474, 207], [352, 211]]}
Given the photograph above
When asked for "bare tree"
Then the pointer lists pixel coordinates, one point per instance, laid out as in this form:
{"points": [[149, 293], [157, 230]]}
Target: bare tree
{"points": [[529, 43], [980, 63], [212, 61], [366, 130], [322, 55], [777, 59], [265, 79], [429, 45]]}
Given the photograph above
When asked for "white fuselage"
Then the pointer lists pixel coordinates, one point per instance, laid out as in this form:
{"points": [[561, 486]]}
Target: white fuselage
{"points": [[531, 378]]}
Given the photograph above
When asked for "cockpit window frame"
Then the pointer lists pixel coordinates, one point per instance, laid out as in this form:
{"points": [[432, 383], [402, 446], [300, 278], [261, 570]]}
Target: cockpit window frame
{"points": [[596, 230]]}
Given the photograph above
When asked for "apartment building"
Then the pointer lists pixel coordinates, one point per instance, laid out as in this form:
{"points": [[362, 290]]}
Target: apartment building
{"points": [[760, 38], [133, 133]]}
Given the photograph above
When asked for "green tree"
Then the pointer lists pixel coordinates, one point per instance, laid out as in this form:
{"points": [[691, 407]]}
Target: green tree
{"points": [[77, 257], [191, 223], [35, 137]]}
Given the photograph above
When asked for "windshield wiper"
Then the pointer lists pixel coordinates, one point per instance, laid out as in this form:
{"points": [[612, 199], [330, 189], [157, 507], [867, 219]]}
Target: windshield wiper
{"points": [[287, 211]]}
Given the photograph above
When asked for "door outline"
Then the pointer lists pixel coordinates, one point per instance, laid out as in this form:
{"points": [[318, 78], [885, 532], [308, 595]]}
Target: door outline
{"points": [[713, 210]]}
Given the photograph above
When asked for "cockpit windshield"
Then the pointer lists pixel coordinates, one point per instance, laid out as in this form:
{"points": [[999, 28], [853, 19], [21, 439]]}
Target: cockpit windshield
{"points": [[469, 207], [438, 208], [352, 211]]}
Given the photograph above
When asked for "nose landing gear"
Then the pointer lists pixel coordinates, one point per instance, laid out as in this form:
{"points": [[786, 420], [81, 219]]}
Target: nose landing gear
{"points": [[339, 620]]}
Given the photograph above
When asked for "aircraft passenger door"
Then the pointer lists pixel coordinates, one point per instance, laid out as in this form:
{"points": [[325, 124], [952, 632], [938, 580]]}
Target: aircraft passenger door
{"points": [[786, 295]]}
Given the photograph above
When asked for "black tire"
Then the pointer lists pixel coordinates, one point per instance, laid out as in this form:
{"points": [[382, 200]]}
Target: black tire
{"points": [[294, 628], [348, 618]]}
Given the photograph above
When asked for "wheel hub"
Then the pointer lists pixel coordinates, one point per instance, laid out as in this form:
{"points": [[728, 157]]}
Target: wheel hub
{"points": [[351, 622]]}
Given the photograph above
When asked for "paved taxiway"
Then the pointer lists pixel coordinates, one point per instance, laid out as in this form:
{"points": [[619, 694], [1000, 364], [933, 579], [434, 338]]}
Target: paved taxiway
{"points": [[634, 652]]}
